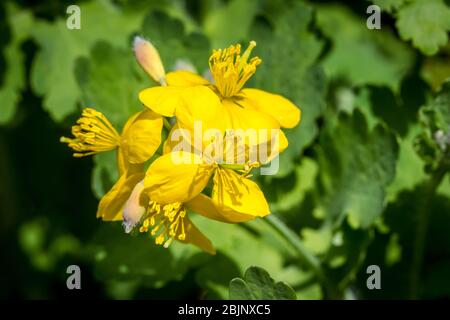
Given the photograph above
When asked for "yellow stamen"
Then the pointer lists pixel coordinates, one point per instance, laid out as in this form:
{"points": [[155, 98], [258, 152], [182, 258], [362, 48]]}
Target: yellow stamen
{"points": [[166, 222], [93, 134], [230, 70]]}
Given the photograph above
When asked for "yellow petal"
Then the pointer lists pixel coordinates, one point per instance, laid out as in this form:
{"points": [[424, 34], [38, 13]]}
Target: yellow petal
{"points": [[238, 193], [183, 78], [202, 108], [271, 149], [283, 142], [249, 120], [280, 108], [129, 122], [125, 166], [176, 177], [143, 137], [171, 140], [111, 205], [210, 209], [122, 164], [195, 237], [180, 139], [162, 100]]}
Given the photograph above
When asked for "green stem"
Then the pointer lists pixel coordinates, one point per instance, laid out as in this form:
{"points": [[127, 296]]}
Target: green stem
{"points": [[167, 124], [233, 166], [304, 255], [422, 229]]}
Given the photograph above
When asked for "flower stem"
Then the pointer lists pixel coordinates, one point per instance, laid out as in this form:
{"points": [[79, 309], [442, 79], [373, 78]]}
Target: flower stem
{"points": [[422, 228], [304, 255], [167, 124]]}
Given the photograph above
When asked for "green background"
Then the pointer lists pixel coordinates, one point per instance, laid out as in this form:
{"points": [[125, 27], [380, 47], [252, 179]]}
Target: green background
{"points": [[363, 181]]}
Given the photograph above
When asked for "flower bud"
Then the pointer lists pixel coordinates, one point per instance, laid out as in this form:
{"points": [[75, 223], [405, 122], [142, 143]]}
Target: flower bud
{"points": [[133, 209], [149, 59]]}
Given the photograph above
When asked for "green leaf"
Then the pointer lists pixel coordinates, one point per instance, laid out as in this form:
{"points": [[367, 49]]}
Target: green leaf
{"points": [[436, 116], [109, 82], [355, 168], [173, 41], [436, 70], [230, 22], [353, 45], [258, 285], [389, 5], [105, 173], [13, 81], [286, 193], [52, 74], [215, 275], [408, 162], [118, 256], [346, 254], [402, 219], [240, 246], [433, 143], [426, 23], [289, 53]]}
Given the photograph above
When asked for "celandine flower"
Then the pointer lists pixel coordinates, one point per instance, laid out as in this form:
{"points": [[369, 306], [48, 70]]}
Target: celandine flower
{"points": [[163, 221], [180, 176], [158, 201], [159, 204], [225, 103], [140, 138]]}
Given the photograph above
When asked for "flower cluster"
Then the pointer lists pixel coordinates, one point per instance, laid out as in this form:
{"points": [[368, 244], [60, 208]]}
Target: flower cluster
{"points": [[218, 132]]}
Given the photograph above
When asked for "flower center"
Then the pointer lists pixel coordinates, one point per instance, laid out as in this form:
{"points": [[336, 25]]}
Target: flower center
{"points": [[93, 134], [166, 222], [230, 70]]}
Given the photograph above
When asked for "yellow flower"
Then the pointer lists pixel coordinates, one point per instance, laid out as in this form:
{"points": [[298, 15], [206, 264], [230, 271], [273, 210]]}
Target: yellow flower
{"points": [[181, 176], [173, 184], [165, 222], [224, 104], [160, 202], [141, 137]]}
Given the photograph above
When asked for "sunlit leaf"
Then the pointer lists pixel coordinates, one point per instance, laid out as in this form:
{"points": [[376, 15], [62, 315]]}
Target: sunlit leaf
{"points": [[258, 285], [52, 74], [355, 167], [426, 23], [354, 45], [230, 22], [289, 51]]}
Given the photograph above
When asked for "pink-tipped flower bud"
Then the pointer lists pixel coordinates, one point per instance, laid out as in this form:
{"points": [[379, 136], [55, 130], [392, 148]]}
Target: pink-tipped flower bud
{"points": [[149, 59], [133, 209]]}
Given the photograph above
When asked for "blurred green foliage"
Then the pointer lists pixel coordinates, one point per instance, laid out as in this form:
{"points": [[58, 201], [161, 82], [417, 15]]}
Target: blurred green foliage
{"points": [[258, 285], [364, 180]]}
